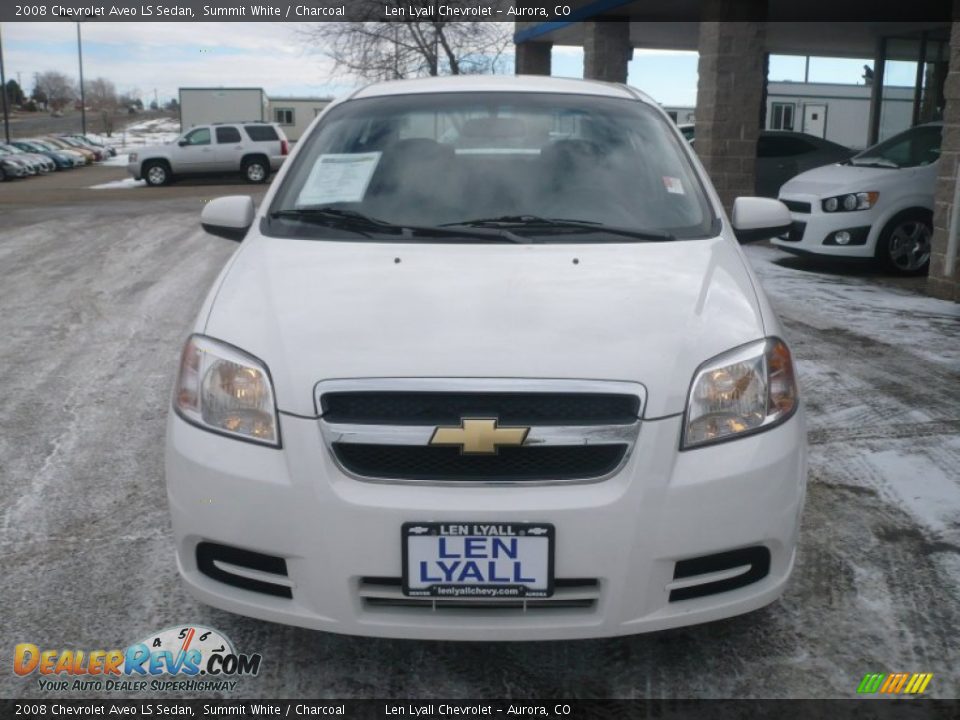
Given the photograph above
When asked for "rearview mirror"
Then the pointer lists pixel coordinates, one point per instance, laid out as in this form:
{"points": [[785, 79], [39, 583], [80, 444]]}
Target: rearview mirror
{"points": [[183, 143], [756, 218], [228, 217]]}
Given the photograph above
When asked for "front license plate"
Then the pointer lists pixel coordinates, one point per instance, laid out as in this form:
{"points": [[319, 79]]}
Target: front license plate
{"points": [[481, 560]]}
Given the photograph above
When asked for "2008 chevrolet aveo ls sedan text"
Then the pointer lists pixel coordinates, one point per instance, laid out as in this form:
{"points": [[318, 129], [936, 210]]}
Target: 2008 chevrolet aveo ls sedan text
{"points": [[489, 364]]}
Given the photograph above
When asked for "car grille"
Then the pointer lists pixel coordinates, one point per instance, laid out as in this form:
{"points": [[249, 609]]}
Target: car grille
{"points": [[510, 463], [385, 593], [441, 408], [797, 206], [381, 429]]}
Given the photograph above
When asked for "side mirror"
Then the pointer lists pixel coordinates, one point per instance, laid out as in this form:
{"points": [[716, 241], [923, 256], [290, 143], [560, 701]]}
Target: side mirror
{"points": [[756, 218], [228, 217], [183, 143]]}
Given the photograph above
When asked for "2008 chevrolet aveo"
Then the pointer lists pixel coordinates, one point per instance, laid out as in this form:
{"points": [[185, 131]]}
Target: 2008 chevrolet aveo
{"points": [[489, 364]]}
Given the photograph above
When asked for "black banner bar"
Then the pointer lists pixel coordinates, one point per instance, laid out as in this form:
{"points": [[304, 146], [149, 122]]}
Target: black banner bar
{"points": [[874, 709], [535, 11]]}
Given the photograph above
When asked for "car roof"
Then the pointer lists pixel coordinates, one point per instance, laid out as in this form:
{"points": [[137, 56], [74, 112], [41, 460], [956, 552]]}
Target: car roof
{"points": [[500, 83]]}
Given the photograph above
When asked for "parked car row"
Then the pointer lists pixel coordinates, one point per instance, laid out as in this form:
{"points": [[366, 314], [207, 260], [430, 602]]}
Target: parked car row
{"points": [[22, 158]]}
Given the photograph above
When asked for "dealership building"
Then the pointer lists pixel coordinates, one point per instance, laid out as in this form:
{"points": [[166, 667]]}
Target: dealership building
{"points": [[204, 105], [733, 96]]}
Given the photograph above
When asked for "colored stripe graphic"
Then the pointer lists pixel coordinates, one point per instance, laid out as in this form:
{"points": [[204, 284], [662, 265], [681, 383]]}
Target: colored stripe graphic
{"points": [[871, 682], [918, 683], [894, 683]]}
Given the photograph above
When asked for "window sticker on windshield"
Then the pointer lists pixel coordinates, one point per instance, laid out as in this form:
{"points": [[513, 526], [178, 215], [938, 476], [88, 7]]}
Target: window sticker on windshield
{"points": [[339, 177], [673, 185]]}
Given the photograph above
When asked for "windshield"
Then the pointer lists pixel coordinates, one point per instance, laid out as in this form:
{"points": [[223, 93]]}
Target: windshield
{"points": [[914, 147], [546, 167]]}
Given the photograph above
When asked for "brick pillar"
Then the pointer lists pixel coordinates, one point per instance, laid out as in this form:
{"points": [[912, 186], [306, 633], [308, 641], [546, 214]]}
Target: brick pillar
{"points": [[606, 50], [730, 94], [533, 58], [941, 283]]}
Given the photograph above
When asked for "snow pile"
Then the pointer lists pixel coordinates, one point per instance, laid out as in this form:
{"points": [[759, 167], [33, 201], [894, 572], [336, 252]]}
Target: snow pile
{"points": [[125, 184]]}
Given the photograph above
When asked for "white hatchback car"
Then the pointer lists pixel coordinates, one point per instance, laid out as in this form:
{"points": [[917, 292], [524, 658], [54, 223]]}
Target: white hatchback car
{"points": [[489, 364], [877, 204]]}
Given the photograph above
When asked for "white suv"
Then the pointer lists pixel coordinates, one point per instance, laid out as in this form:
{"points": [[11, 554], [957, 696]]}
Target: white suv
{"points": [[253, 149]]}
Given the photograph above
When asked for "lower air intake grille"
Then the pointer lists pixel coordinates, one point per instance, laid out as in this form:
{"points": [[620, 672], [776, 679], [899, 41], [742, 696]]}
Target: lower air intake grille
{"points": [[244, 569], [720, 573], [568, 594], [797, 229], [564, 462]]}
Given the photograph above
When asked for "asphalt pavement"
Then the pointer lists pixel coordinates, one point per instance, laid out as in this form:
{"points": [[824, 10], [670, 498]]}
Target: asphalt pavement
{"points": [[97, 292]]}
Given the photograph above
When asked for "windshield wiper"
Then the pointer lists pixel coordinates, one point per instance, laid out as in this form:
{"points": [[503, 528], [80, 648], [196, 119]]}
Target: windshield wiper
{"points": [[353, 220], [350, 219], [534, 222]]}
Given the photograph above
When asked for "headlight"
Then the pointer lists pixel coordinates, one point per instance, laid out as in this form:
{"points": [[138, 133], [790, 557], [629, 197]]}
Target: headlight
{"points": [[132, 157], [221, 388], [746, 390], [851, 202]]}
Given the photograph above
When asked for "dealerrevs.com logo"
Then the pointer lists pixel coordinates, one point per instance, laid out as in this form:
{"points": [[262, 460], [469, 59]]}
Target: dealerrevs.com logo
{"points": [[187, 658]]}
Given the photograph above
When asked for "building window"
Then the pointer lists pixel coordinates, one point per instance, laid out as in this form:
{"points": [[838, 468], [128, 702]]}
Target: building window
{"points": [[782, 116], [284, 116]]}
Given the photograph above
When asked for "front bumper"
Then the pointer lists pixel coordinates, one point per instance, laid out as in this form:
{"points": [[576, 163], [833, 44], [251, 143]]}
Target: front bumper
{"points": [[812, 229], [627, 532], [15, 171]]}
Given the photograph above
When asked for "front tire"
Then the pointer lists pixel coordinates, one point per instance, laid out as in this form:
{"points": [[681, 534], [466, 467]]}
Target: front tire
{"points": [[904, 244], [156, 173], [256, 170]]}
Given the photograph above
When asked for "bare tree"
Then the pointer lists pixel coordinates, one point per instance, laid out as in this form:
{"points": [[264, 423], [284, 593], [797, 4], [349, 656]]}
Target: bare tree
{"points": [[59, 89], [101, 94], [413, 45]]}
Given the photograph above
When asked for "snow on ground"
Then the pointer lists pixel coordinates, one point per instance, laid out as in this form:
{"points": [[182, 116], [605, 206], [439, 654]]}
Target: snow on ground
{"points": [[861, 305], [124, 184], [155, 131], [879, 368], [924, 487]]}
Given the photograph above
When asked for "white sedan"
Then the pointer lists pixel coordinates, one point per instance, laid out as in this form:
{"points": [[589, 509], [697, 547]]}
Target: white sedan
{"points": [[489, 364], [878, 204]]}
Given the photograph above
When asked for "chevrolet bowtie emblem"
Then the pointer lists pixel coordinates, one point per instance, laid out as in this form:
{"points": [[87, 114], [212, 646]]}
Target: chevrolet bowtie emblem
{"points": [[479, 436]]}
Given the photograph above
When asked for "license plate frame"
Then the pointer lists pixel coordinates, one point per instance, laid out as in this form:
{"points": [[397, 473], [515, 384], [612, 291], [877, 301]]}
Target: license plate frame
{"points": [[539, 537]]}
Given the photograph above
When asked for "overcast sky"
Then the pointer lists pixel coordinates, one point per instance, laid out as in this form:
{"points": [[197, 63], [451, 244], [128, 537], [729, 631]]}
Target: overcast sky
{"points": [[162, 57]]}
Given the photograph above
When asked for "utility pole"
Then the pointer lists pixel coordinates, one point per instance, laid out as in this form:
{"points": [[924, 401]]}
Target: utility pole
{"points": [[3, 92], [83, 102]]}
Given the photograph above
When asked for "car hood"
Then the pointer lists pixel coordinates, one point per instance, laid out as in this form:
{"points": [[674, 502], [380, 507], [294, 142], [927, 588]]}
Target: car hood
{"points": [[644, 312], [834, 179]]}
